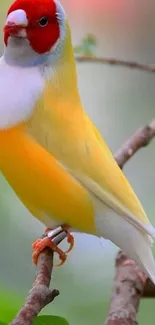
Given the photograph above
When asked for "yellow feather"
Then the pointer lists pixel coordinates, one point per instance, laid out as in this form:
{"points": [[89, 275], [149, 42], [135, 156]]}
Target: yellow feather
{"points": [[60, 124], [41, 183]]}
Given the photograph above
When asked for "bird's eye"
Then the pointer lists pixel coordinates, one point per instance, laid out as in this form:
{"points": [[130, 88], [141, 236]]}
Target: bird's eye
{"points": [[43, 21]]}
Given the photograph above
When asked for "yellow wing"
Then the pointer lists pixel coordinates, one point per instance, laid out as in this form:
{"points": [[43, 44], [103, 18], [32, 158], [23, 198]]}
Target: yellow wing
{"points": [[71, 137], [102, 176], [109, 177], [62, 127], [41, 183]]}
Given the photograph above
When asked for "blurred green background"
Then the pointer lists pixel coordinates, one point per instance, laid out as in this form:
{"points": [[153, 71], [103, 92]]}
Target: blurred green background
{"points": [[119, 101]]}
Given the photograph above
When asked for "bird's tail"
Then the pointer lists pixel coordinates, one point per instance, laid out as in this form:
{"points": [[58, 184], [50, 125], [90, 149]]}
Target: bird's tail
{"points": [[135, 242]]}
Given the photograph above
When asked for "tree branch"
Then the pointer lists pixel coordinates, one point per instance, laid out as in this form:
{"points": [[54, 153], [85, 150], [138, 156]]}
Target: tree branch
{"points": [[40, 295], [130, 282], [139, 139], [130, 285], [113, 61], [127, 291]]}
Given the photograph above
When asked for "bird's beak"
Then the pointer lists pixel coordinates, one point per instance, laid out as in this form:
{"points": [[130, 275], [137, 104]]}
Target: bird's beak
{"points": [[16, 23], [12, 29]]}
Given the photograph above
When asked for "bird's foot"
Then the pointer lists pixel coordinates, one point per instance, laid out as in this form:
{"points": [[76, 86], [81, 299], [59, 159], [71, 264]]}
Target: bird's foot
{"points": [[51, 238], [70, 238]]}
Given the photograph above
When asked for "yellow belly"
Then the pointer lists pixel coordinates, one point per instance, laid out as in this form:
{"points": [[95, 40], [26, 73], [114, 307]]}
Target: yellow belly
{"points": [[44, 187]]}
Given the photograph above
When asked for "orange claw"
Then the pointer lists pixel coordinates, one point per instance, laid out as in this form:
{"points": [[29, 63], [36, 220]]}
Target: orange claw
{"points": [[70, 240], [48, 241], [39, 245]]}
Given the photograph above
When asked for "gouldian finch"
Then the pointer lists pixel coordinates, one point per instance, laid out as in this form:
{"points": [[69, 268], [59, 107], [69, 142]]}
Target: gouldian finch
{"points": [[50, 151]]}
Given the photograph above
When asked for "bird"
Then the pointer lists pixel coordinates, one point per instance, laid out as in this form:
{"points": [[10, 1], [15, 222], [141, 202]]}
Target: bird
{"points": [[51, 153]]}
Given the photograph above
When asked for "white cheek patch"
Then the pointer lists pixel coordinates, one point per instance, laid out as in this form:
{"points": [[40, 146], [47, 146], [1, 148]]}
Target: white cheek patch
{"points": [[17, 17], [20, 88]]}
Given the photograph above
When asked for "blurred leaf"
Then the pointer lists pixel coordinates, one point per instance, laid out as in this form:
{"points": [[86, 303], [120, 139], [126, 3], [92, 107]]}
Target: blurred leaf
{"points": [[90, 39], [50, 320], [2, 323], [78, 49], [87, 46]]}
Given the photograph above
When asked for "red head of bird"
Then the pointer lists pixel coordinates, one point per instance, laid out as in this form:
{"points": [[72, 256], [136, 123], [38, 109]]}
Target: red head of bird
{"points": [[34, 30]]}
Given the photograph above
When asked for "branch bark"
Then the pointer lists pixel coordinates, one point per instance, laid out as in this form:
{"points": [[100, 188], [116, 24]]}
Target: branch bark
{"points": [[40, 295], [128, 289], [130, 282], [141, 138], [113, 61]]}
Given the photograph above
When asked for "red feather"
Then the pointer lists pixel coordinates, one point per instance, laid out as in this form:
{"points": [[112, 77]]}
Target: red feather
{"points": [[41, 38]]}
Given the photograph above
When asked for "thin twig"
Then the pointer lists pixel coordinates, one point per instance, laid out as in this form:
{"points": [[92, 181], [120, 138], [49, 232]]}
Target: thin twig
{"points": [[128, 289], [139, 139], [40, 295], [130, 282], [130, 285], [113, 61]]}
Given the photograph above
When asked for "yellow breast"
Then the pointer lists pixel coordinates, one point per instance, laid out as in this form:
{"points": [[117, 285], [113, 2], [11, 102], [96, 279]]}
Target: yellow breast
{"points": [[42, 184]]}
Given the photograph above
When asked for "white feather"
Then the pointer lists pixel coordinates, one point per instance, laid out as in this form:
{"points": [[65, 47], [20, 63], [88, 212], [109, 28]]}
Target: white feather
{"points": [[110, 201], [135, 243], [20, 88], [116, 223]]}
